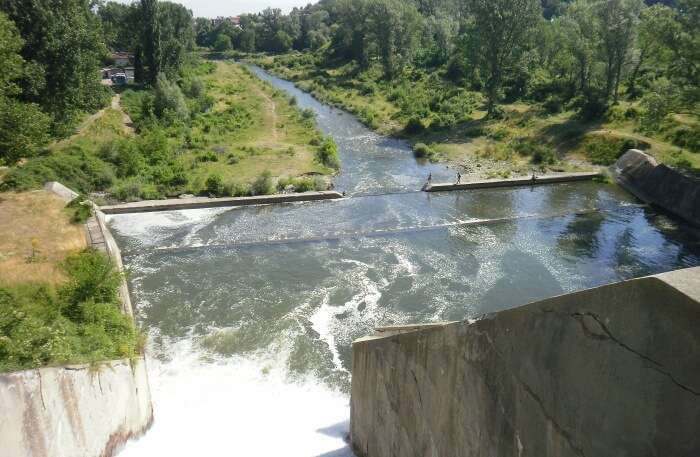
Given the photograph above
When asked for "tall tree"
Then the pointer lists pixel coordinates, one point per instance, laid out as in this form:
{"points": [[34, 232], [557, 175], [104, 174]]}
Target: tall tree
{"points": [[498, 33], [150, 45], [617, 21], [63, 47], [394, 26]]}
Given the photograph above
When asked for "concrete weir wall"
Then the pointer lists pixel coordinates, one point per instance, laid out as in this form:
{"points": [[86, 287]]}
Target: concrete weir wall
{"points": [[612, 371], [73, 411], [659, 185], [76, 410]]}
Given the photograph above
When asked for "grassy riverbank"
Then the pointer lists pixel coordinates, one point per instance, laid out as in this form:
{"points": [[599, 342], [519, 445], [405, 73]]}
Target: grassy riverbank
{"points": [[449, 124], [58, 299], [219, 130]]}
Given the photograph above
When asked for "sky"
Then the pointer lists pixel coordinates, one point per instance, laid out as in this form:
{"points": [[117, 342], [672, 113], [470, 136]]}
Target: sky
{"points": [[214, 8]]}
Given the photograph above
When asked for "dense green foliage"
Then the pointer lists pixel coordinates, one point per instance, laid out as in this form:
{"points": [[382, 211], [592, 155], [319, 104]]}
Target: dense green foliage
{"points": [[581, 54], [80, 321]]}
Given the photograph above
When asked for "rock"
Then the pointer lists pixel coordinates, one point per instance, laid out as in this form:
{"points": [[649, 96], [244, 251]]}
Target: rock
{"points": [[185, 196]]}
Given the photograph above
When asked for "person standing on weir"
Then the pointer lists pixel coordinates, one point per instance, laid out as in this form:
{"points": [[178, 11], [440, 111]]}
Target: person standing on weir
{"points": [[459, 177]]}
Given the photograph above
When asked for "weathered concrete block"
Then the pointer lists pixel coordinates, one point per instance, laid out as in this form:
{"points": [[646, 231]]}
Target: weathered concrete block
{"points": [[73, 410], [612, 371], [659, 185]]}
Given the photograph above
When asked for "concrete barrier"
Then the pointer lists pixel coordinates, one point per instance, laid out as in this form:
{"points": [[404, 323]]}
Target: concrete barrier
{"points": [[204, 202], [659, 185], [512, 182], [76, 410], [607, 372]]}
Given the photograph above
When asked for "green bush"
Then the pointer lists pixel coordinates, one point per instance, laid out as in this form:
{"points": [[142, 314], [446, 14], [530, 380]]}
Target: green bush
{"points": [[327, 154], [423, 151], [79, 209], [414, 125], [214, 185], [78, 322], [605, 149], [263, 184], [687, 137], [539, 154]]}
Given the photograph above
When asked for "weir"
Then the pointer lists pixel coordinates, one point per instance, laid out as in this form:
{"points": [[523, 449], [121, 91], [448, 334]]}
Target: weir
{"points": [[251, 311]]}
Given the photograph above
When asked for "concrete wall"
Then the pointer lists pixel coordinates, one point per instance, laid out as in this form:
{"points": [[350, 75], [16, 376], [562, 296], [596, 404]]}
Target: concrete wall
{"points": [[659, 185], [512, 182], [73, 411], [612, 371]]}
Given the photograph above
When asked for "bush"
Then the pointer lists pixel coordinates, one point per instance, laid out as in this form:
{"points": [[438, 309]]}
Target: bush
{"points": [[208, 156], [79, 322], [327, 154], [539, 154], [606, 149], [263, 184], [169, 102], [423, 151], [80, 209], [687, 137], [214, 185], [414, 125]]}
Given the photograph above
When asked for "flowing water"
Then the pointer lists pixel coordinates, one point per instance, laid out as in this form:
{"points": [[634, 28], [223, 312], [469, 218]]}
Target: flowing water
{"points": [[251, 311]]}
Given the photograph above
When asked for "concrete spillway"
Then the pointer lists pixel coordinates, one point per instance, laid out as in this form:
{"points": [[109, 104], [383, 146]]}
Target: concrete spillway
{"points": [[603, 372]]}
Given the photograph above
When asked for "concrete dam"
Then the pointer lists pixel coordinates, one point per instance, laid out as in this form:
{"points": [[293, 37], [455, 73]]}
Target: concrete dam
{"points": [[610, 371]]}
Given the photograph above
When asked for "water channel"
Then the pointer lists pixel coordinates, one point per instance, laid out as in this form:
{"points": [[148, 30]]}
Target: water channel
{"points": [[251, 311]]}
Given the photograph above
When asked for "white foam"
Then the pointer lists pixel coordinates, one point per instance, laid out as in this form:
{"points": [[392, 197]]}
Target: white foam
{"points": [[239, 407]]}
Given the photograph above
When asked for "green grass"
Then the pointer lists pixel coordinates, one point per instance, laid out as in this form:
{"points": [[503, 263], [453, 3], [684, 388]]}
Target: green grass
{"points": [[79, 321]]}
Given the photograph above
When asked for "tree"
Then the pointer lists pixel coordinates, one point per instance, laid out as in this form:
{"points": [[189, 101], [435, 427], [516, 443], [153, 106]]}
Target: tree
{"points": [[62, 48], [394, 27], [498, 32], [222, 43], [150, 45], [616, 20], [654, 22], [23, 126]]}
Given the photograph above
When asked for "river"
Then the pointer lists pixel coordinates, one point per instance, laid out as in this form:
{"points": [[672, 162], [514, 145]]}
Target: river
{"points": [[251, 311]]}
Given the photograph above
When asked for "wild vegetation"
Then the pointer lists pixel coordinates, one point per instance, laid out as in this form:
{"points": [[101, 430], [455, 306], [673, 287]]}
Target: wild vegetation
{"points": [[526, 82], [58, 300], [187, 126]]}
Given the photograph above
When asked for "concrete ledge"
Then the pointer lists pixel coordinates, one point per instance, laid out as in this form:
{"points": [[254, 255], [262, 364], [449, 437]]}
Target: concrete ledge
{"points": [[512, 182], [204, 202]]}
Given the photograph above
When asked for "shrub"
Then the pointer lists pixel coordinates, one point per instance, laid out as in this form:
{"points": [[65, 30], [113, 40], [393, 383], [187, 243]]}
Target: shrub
{"points": [[539, 154], [169, 102], [327, 154], [235, 189], [423, 151], [263, 184], [79, 322], [79, 209], [414, 125], [214, 185], [606, 149], [208, 156], [687, 137]]}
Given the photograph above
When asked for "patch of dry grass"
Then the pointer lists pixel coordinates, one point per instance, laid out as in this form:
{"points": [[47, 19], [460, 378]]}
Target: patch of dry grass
{"points": [[35, 236]]}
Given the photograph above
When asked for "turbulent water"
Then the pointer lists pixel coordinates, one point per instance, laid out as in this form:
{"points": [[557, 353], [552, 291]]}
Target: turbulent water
{"points": [[251, 311]]}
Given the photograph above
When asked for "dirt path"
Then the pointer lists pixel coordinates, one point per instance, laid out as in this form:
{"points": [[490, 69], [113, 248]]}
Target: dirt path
{"points": [[272, 110]]}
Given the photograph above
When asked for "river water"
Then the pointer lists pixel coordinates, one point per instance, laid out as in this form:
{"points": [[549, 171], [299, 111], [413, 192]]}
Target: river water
{"points": [[251, 311]]}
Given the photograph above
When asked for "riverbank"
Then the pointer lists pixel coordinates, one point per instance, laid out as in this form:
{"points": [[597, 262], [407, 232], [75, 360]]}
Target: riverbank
{"points": [[455, 130]]}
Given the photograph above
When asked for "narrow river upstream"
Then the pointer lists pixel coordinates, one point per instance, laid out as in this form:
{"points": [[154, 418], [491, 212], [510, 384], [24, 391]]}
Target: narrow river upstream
{"points": [[251, 311]]}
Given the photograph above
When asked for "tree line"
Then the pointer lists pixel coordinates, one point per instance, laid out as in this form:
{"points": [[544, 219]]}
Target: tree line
{"points": [[53, 52], [584, 53]]}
